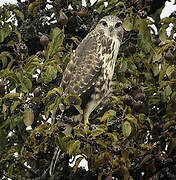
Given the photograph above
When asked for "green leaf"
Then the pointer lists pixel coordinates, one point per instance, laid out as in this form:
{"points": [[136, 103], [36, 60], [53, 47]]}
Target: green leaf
{"points": [[78, 160], [132, 119], [49, 107], [168, 91], [3, 57], [11, 96], [163, 34], [4, 32], [74, 148], [128, 23], [100, 9], [74, 99], [19, 14], [14, 105], [108, 115], [87, 150], [33, 6], [49, 74], [55, 45], [137, 22], [28, 117], [54, 91], [98, 131], [101, 143], [170, 70], [27, 82], [157, 56], [126, 128]]}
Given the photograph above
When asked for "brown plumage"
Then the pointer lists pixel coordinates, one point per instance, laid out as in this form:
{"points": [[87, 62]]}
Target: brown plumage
{"points": [[91, 67]]}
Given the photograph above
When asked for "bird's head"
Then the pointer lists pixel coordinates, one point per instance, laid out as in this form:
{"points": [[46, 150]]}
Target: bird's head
{"points": [[111, 26]]}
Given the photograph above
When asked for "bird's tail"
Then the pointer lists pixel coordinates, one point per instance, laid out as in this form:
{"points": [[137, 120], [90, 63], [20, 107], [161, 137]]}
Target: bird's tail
{"points": [[54, 160]]}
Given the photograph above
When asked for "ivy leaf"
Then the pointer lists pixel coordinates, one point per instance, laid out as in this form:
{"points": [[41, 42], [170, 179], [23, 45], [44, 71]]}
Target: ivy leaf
{"points": [[126, 128], [28, 117]]}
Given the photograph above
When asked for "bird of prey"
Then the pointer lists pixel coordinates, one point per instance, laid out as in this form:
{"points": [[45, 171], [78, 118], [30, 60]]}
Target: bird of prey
{"points": [[91, 68]]}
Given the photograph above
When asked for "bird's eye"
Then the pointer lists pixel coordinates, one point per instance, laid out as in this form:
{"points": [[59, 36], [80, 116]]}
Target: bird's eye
{"points": [[118, 24], [104, 23]]}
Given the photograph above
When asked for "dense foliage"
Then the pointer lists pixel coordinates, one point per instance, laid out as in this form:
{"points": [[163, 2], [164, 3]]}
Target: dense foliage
{"points": [[132, 135]]}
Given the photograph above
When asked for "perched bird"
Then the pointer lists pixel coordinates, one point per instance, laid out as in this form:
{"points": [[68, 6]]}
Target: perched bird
{"points": [[91, 68]]}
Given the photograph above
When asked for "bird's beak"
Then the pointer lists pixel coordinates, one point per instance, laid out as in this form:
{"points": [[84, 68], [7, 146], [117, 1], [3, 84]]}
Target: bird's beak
{"points": [[111, 26]]}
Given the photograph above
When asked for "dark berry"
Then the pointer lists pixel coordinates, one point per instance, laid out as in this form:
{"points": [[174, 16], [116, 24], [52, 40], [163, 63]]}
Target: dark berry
{"points": [[63, 19], [61, 126], [38, 135], [37, 92], [137, 105], [44, 40], [127, 88], [132, 48], [128, 73], [128, 100], [169, 56], [140, 97]]}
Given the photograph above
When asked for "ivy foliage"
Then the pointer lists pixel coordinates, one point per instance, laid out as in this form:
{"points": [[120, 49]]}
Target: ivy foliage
{"points": [[132, 135]]}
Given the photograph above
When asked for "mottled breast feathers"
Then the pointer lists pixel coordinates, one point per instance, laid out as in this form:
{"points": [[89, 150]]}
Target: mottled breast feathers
{"points": [[84, 67]]}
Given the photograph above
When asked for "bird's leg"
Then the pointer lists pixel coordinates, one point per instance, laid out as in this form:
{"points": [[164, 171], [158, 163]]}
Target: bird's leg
{"points": [[86, 118]]}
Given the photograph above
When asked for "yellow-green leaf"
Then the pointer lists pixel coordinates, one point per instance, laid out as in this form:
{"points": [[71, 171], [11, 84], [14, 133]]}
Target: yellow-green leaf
{"points": [[14, 105], [74, 147], [11, 96], [128, 23], [108, 115], [131, 118], [97, 132], [28, 117], [170, 70], [126, 128]]}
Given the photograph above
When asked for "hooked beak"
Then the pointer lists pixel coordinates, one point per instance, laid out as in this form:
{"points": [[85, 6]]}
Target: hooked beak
{"points": [[111, 26]]}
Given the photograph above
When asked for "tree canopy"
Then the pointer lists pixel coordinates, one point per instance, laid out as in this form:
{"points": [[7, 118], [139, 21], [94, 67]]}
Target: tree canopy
{"points": [[131, 136]]}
